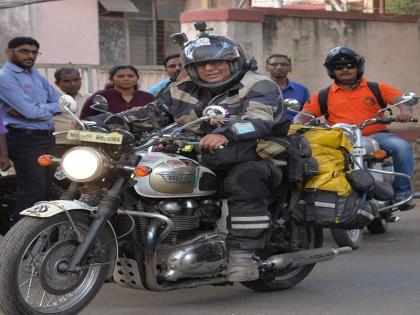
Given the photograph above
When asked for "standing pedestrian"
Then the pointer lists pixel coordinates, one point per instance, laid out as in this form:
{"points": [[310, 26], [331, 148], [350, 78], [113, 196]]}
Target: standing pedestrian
{"points": [[278, 67], [69, 82], [28, 103], [122, 93], [176, 72]]}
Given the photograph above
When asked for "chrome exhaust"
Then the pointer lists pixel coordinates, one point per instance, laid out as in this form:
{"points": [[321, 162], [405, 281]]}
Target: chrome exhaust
{"points": [[302, 258]]}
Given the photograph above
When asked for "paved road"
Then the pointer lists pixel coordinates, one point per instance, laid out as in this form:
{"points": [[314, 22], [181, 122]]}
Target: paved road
{"points": [[382, 277]]}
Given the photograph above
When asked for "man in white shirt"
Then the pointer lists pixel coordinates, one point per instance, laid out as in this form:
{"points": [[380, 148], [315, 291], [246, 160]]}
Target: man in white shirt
{"points": [[69, 82]]}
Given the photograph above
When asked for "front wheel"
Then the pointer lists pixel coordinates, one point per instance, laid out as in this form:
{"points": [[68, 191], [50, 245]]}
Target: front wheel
{"points": [[33, 259], [352, 238], [292, 276]]}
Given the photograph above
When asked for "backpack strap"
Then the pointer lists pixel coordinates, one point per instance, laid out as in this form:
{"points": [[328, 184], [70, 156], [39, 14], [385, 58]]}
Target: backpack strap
{"points": [[323, 101], [374, 87]]}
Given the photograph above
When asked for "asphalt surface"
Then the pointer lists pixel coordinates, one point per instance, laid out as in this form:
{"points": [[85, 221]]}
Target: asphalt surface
{"points": [[382, 277]]}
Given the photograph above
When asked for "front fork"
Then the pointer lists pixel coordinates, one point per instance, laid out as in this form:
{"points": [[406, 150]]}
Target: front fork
{"points": [[106, 208]]}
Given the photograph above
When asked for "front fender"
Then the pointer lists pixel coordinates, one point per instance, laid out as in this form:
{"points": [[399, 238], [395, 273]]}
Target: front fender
{"points": [[46, 209]]}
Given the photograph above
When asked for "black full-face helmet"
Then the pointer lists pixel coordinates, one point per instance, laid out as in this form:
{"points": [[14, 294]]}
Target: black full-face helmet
{"points": [[343, 55], [208, 47]]}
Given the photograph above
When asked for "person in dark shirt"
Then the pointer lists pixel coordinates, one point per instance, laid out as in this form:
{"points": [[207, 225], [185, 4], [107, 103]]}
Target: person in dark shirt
{"points": [[122, 94]]}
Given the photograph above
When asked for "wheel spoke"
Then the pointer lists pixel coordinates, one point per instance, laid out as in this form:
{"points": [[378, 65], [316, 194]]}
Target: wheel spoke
{"points": [[42, 298], [30, 284]]}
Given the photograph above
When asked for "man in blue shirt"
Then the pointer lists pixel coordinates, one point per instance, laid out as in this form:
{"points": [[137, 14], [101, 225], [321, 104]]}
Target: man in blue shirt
{"points": [[278, 67], [174, 68], [28, 103]]}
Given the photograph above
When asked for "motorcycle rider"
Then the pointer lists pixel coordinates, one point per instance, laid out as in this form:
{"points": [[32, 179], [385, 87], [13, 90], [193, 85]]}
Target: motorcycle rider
{"points": [[218, 74], [351, 100]]}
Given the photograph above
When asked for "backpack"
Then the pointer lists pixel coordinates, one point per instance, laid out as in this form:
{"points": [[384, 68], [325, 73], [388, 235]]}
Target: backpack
{"points": [[323, 97], [327, 199]]}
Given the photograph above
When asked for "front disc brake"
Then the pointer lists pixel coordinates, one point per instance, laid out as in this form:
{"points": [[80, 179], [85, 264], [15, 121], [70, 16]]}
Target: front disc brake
{"points": [[54, 277]]}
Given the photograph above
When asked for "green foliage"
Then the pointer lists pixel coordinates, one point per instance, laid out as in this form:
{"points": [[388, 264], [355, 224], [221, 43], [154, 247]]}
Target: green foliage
{"points": [[402, 7]]}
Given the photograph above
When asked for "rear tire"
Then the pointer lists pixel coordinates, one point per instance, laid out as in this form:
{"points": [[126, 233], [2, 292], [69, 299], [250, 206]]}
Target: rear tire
{"points": [[352, 238], [31, 253], [290, 277], [378, 226]]}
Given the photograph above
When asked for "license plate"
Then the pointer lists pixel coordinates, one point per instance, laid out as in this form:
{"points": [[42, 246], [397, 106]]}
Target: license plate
{"points": [[359, 151], [90, 136]]}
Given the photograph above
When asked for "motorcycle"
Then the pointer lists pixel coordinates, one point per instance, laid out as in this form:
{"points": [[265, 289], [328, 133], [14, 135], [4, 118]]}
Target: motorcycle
{"points": [[367, 155], [149, 219]]}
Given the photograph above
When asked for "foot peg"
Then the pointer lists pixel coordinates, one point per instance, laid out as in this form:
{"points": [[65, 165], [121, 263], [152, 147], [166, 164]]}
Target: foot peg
{"points": [[392, 218]]}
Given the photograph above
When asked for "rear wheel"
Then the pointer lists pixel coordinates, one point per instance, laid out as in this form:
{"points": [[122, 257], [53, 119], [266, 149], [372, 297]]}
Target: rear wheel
{"points": [[34, 256], [352, 238], [290, 277], [378, 226]]}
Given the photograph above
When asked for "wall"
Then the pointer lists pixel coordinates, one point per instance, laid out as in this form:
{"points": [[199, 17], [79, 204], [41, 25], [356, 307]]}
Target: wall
{"points": [[391, 49], [390, 44], [67, 30]]}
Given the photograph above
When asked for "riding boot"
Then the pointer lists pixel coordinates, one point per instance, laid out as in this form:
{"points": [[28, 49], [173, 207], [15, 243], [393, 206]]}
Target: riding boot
{"points": [[242, 266]]}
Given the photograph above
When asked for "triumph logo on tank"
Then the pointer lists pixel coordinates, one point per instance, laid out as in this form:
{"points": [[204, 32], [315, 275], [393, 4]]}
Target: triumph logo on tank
{"points": [[174, 177]]}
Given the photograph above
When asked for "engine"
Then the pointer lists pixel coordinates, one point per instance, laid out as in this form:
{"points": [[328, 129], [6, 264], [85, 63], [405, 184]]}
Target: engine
{"points": [[189, 216]]}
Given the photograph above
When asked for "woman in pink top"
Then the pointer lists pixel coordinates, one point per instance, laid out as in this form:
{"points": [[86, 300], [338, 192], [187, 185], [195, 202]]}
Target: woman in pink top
{"points": [[122, 93]]}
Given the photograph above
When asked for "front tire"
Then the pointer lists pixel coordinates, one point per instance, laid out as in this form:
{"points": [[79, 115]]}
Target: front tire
{"points": [[291, 276], [32, 280], [352, 238]]}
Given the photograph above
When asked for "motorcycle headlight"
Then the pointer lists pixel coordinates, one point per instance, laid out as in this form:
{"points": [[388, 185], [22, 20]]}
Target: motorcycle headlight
{"points": [[83, 164], [349, 131]]}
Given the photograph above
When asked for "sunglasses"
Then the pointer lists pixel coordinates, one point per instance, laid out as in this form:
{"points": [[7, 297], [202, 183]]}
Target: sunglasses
{"points": [[342, 66]]}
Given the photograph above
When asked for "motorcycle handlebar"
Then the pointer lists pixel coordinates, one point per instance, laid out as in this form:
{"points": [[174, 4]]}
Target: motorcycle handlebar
{"points": [[388, 120]]}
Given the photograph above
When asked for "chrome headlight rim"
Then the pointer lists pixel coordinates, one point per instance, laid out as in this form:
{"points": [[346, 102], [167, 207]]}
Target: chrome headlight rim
{"points": [[348, 131], [98, 158]]}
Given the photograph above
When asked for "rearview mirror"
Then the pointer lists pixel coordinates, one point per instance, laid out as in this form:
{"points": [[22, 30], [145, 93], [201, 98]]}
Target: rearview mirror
{"points": [[291, 104], [215, 112], [67, 103], [100, 104], [410, 99]]}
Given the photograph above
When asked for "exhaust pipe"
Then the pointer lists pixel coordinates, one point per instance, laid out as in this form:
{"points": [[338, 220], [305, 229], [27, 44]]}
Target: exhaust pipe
{"points": [[302, 258]]}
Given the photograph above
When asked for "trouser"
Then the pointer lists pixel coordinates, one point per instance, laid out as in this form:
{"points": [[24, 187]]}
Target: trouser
{"points": [[248, 187], [403, 160], [33, 180]]}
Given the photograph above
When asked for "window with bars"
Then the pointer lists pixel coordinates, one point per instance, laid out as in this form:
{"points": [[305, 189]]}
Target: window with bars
{"points": [[139, 38]]}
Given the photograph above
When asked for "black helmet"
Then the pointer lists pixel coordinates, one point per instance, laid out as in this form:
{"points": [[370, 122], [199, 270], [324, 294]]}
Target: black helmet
{"points": [[343, 55], [211, 48]]}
